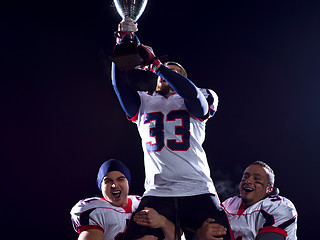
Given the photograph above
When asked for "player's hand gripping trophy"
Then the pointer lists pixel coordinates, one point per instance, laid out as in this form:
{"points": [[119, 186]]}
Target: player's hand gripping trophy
{"points": [[125, 53]]}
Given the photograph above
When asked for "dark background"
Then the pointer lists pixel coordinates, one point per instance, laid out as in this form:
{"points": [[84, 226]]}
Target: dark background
{"points": [[60, 118]]}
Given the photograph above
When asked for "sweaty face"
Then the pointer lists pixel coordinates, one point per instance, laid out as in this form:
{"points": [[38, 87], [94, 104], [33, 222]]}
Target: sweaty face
{"points": [[254, 185], [115, 188], [163, 87]]}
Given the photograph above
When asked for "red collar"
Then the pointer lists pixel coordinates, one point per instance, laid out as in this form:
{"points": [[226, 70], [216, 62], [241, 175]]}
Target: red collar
{"points": [[128, 208], [241, 209]]}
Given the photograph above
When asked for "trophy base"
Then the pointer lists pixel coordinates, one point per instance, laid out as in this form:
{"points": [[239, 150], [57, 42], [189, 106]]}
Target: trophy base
{"points": [[126, 61]]}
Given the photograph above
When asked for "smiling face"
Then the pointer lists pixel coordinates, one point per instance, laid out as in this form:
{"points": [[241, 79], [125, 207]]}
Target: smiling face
{"points": [[115, 188], [254, 185]]}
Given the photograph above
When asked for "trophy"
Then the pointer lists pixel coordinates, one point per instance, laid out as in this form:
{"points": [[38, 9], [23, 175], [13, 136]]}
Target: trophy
{"points": [[125, 54]]}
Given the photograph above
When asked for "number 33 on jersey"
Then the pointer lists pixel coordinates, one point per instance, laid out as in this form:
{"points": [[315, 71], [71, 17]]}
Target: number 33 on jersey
{"points": [[168, 131]]}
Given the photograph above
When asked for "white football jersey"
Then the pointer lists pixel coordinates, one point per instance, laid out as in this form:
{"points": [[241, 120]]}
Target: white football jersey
{"points": [[97, 213], [175, 162], [272, 214]]}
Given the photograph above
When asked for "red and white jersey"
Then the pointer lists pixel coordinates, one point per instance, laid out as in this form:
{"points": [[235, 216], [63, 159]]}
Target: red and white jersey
{"points": [[175, 162], [97, 213], [272, 214]]}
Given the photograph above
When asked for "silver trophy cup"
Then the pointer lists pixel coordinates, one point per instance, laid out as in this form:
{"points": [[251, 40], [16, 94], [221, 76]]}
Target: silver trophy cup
{"points": [[130, 8], [125, 54]]}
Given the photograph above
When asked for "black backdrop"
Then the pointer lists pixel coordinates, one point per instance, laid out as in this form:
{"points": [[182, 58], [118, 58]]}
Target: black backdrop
{"points": [[60, 118]]}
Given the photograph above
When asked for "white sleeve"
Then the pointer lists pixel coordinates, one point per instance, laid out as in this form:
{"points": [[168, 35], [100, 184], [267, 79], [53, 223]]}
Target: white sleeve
{"points": [[86, 214], [280, 213], [212, 99]]}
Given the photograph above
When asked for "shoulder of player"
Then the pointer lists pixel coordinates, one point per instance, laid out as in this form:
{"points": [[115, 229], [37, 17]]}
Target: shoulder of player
{"points": [[278, 205], [135, 197], [208, 92], [89, 203], [277, 200], [232, 202], [212, 99]]}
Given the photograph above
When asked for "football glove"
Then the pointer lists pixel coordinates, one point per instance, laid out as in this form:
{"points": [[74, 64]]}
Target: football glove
{"points": [[149, 61], [126, 27]]}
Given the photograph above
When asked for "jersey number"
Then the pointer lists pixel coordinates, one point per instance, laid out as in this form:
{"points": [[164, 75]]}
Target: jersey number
{"points": [[157, 131]]}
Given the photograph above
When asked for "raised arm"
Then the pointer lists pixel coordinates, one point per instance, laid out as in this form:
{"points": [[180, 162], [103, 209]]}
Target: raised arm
{"points": [[194, 99], [128, 97]]}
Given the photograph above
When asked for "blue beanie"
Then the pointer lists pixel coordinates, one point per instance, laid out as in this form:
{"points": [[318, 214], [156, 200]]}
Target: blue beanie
{"points": [[112, 165]]}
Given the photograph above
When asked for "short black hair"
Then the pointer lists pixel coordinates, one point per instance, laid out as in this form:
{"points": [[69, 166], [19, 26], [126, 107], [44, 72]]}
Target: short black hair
{"points": [[270, 173]]}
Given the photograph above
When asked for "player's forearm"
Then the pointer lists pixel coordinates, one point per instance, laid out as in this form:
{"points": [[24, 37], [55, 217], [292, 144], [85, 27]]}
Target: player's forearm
{"points": [[168, 230], [181, 85], [128, 97], [194, 99]]}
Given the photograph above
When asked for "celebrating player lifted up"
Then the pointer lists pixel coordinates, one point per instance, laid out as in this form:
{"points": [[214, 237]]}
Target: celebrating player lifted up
{"points": [[171, 122]]}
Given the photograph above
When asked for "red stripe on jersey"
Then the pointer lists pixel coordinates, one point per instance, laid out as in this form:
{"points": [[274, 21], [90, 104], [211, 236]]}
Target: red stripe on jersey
{"points": [[84, 228], [134, 118], [128, 208], [273, 229], [241, 209]]}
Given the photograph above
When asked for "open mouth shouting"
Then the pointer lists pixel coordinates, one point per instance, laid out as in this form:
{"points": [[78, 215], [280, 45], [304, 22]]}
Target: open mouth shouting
{"points": [[116, 194], [115, 188]]}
